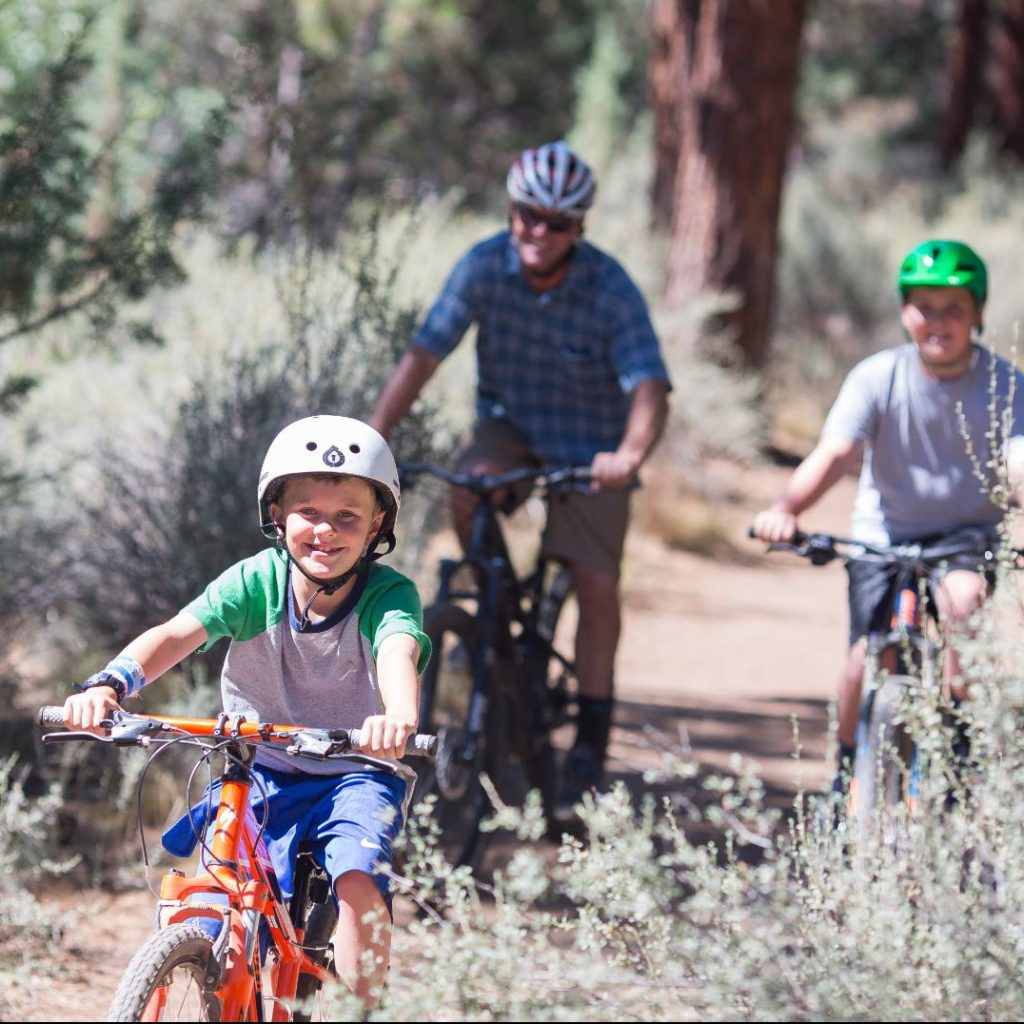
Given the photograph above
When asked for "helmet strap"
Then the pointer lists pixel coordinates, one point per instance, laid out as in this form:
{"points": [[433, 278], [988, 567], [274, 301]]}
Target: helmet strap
{"points": [[332, 586]]}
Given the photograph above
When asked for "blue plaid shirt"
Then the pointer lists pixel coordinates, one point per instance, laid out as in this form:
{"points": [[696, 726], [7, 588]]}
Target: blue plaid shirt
{"points": [[560, 366]]}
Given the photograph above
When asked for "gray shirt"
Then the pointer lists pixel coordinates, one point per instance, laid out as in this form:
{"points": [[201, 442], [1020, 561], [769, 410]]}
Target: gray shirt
{"points": [[917, 477], [323, 676]]}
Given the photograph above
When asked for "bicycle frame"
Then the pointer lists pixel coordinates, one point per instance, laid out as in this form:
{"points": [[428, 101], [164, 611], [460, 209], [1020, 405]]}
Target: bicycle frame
{"points": [[239, 867], [503, 600], [236, 893], [917, 654]]}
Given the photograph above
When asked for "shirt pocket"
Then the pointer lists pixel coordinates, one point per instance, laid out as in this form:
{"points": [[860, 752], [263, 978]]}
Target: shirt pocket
{"points": [[582, 365]]}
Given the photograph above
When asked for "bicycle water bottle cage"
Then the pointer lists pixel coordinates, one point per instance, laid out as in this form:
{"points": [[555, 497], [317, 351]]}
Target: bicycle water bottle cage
{"points": [[819, 549]]}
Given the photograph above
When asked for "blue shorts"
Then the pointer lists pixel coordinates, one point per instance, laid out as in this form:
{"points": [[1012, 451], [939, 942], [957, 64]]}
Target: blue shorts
{"points": [[350, 820]]}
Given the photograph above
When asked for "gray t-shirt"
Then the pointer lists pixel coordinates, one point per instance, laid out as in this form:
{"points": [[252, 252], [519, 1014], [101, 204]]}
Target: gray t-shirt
{"points": [[917, 478], [324, 676]]}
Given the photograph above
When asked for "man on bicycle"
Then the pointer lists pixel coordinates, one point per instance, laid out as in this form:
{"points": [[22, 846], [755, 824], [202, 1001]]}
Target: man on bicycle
{"points": [[568, 372], [901, 408]]}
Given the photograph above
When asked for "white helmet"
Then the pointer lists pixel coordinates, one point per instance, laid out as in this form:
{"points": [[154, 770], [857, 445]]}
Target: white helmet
{"points": [[552, 177], [331, 444]]}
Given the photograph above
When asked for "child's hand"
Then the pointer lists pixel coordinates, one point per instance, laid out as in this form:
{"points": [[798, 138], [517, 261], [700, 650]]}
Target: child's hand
{"points": [[86, 710], [774, 525], [385, 735]]}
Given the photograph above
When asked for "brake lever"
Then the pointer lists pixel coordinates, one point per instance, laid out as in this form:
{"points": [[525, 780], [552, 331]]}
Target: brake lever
{"points": [[66, 736]]}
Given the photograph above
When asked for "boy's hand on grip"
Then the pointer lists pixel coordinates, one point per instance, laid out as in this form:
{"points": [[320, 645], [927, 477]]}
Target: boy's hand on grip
{"points": [[385, 735], [85, 711]]}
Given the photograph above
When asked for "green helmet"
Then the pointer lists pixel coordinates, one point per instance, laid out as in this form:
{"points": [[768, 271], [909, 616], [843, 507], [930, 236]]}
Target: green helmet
{"points": [[944, 264]]}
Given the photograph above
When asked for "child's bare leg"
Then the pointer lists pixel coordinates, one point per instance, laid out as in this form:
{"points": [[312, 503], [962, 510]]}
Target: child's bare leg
{"points": [[362, 939], [849, 694], [960, 593]]}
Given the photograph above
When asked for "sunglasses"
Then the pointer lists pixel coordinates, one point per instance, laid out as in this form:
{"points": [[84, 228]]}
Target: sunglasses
{"points": [[531, 219]]}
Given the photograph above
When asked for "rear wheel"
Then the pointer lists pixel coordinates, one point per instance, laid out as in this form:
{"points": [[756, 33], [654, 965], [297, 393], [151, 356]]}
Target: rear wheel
{"points": [[879, 791], [171, 977], [452, 778], [312, 998]]}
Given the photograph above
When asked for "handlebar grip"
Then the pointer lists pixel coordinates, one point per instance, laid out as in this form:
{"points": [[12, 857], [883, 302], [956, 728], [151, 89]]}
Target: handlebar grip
{"points": [[51, 716], [797, 539], [420, 745], [423, 745]]}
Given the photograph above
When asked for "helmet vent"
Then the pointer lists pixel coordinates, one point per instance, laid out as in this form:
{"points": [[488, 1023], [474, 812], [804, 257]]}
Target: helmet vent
{"points": [[311, 446], [354, 449]]}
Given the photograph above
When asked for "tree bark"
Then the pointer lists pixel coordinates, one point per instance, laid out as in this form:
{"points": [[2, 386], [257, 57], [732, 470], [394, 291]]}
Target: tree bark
{"points": [[964, 69], [735, 79], [1006, 77], [664, 83]]}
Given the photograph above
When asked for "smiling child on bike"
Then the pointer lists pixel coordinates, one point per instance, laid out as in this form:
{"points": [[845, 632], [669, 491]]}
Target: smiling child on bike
{"points": [[901, 410], [320, 635]]}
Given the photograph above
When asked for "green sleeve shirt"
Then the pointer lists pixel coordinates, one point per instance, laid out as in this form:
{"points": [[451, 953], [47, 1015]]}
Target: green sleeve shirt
{"points": [[325, 676]]}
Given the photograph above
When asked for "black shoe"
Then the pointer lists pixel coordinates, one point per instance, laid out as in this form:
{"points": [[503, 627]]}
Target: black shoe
{"points": [[581, 774]]}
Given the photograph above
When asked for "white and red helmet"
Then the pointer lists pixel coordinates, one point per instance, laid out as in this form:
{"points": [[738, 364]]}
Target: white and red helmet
{"points": [[552, 177]]}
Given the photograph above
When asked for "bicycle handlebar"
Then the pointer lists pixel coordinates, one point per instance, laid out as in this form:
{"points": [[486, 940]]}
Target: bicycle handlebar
{"points": [[550, 478], [129, 729], [822, 548]]}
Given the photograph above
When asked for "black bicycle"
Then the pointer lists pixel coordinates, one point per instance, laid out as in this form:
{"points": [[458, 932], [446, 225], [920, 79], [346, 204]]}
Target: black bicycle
{"points": [[502, 679], [891, 734]]}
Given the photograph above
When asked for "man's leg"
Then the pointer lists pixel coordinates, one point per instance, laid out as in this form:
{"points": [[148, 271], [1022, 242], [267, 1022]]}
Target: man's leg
{"points": [[597, 637], [587, 533]]}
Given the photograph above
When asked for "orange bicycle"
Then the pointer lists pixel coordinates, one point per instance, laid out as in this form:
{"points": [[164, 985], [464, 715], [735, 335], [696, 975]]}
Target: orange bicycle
{"points": [[226, 948]]}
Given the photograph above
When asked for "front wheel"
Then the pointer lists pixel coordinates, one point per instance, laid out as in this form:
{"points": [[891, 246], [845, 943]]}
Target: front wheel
{"points": [[169, 978], [453, 777], [882, 767]]}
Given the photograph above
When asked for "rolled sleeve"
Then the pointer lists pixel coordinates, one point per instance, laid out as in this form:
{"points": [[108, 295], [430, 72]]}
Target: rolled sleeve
{"points": [[452, 312]]}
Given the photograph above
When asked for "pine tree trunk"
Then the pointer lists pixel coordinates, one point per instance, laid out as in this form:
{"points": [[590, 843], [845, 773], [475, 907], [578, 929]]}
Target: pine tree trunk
{"points": [[965, 62], [664, 82], [735, 75], [1006, 77]]}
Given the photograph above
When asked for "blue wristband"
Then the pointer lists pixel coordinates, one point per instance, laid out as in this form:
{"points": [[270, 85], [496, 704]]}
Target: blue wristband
{"points": [[124, 675]]}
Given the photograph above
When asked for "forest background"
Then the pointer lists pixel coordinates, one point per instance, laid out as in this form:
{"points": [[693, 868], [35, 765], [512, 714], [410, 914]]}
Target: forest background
{"points": [[217, 218]]}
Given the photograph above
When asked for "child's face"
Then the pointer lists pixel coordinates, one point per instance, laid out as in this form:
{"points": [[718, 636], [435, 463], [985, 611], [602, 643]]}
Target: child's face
{"points": [[328, 523], [939, 322]]}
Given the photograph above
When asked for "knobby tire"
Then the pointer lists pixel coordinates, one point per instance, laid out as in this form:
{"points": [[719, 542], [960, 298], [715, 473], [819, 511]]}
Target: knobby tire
{"points": [[445, 691], [177, 959]]}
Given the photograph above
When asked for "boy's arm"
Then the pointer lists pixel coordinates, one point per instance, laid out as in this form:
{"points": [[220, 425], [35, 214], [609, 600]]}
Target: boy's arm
{"points": [[151, 654], [385, 735], [1015, 470], [832, 457]]}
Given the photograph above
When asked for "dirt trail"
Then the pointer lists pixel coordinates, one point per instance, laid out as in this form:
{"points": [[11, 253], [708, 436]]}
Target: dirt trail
{"points": [[730, 649], [721, 651]]}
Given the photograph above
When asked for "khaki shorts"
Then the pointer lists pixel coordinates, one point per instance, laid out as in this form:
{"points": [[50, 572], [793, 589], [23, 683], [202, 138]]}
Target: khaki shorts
{"points": [[585, 529]]}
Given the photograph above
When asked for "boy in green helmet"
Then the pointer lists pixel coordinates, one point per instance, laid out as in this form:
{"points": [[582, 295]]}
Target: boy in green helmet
{"points": [[898, 408]]}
